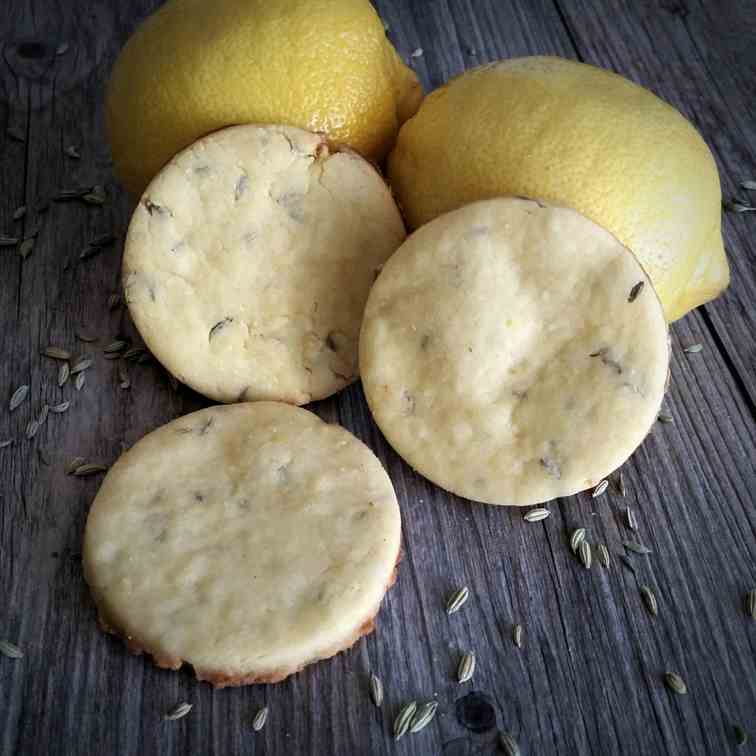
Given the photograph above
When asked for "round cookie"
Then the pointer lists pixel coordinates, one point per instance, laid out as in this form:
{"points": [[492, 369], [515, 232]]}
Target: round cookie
{"points": [[514, 352], [249, 259], [248, 541]]}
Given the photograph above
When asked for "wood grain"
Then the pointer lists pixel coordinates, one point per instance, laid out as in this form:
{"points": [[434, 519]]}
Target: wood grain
{"points": [[589, 676]]}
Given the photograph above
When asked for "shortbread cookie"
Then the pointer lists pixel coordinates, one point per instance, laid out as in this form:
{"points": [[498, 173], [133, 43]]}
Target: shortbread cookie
{"points": [[514, 352], [249, 259], [247, 541]]}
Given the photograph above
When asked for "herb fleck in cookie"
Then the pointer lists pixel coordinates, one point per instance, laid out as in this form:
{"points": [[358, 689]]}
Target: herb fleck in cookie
{"points": [[249, 259], [247, 541], [513, 352]]}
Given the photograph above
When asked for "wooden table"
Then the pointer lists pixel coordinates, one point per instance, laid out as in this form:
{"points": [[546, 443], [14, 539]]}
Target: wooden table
{"points": [[588, 678]]}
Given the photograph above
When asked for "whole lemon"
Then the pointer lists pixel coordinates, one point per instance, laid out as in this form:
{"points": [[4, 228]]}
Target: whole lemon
{"points": [[580, 136], [199, 65]]}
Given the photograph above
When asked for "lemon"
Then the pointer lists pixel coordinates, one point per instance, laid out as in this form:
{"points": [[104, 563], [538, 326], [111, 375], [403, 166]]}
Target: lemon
{"points": [[199, 65], [579, 136]]}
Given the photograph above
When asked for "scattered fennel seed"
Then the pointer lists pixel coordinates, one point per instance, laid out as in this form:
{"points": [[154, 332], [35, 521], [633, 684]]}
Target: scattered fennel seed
{"points": [[134, 353], [89, 469], [536, 515], [11, 650], [26, 247], [600, 488], [32, 428], [750, 603], [18, 396], [577, 536], [177, 712], [457, 600], [57, 353], [466, 667], [741, 736], [736, 206], [603, 555], [74, 464], [675, 683], [82, 364], [376, 690], [508, 745], [260, 719], [649, 599], [423, 716], [115, 346], [404, 719], [621, 483], [584, 552]]}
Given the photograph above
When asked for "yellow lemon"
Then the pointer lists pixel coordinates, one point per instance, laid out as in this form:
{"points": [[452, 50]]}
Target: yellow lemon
{"points": [[199, 65], [575, 135]]}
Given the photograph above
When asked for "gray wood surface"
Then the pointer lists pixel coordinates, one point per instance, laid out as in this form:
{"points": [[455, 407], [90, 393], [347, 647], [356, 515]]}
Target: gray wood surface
{"points": [[588, 679]]}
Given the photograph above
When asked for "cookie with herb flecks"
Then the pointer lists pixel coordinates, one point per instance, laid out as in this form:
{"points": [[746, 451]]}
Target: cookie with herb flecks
{"points": [[249, 259], [247, 541], [514, 352]]}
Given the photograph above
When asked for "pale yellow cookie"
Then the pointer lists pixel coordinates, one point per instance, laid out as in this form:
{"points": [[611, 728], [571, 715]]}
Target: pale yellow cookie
{"points": [[514, 352], [249, 259], [248, 541]]}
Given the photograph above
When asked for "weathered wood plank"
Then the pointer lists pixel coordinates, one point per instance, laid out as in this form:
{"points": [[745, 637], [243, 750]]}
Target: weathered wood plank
{"points": [[588, 679], [57, 101]]}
